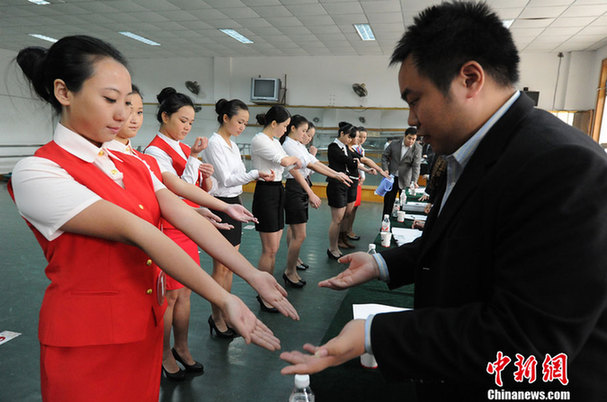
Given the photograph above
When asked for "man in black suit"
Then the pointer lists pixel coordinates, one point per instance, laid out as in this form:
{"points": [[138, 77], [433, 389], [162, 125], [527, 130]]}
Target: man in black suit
{"points": [[402, 159], [511, 271]]}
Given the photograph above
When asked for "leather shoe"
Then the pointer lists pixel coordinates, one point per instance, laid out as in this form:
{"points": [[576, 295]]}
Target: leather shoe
{"points": [[177, 376], [288, 282], [227, 334], [266, 308], [332, 256], [194, 368]]}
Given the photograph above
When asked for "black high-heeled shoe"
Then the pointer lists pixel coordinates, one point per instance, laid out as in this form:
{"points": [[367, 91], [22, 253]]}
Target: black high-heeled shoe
{"points": [[227, 334], [332, 256], [288, 282], [194, 368], [302, 267], [266, 308], [178, 376]]}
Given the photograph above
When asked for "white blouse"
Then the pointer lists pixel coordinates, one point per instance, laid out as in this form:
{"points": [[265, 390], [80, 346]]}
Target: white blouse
{"points": [[47, 196], [190, 173], [266, 154], [229, 170], [296, 148]]}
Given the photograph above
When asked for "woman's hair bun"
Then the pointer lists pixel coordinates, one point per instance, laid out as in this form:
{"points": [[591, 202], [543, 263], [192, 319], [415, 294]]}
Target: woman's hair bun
{"points": [[220, 105], [31, 60], [165, 93], [343, 124], [261, 119]]}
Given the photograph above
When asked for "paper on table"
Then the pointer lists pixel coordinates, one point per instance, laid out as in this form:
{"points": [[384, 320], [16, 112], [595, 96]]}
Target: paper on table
{"points": [[403, 236], [362, 311], [416, 217], [414, 206]]}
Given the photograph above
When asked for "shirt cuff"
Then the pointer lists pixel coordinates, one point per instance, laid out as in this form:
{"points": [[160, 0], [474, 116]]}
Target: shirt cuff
{"points": [[384, 275], [368, 323]]}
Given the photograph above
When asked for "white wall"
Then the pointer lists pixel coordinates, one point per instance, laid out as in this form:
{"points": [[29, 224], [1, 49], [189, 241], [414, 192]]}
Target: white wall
{"points": [[318, 81]]}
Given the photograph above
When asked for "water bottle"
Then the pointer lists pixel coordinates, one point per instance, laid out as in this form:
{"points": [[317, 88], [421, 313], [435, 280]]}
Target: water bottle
{"points": [[396, 208], [412, 189], [301, 391], [385, 223], [372, 249], [403, 200]]}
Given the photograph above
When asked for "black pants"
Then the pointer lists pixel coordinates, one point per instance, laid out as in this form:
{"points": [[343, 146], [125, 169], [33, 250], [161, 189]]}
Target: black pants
{"points": [[390, 197]]}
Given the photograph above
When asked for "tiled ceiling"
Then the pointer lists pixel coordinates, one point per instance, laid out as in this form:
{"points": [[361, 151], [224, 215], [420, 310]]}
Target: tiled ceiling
{"points": [[189, 28]]}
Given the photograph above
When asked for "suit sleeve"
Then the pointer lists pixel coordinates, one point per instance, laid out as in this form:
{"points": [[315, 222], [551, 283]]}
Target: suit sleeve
{"points": [[417, 160], [385, 157], [547, 286]]}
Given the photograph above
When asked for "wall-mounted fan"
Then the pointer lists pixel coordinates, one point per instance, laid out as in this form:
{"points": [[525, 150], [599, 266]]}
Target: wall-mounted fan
{"points": [[193, 87], [360, 89]]}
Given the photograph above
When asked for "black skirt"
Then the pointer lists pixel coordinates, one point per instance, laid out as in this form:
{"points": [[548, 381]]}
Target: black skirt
{"points": [[234, 236], [268, 205], [296, 203]]}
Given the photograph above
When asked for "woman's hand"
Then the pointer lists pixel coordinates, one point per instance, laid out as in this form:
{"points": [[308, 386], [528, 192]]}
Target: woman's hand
{"points": [[342, 177], [267, 176], [350, 343], [200, 143], [265, 284], [240, 213], [206, 169], [314, 200], [239, 317], [291, 161], [313, 150], [214, 219]]}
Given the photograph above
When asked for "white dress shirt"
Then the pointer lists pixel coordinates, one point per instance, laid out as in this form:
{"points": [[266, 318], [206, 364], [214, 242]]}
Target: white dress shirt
{"points": [[296, 148], [266, 154], [229, 170], [47, 196], [190, 173]]}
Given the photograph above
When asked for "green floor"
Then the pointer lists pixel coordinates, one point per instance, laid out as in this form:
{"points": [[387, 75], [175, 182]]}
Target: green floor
{"points": [[234, 371]]}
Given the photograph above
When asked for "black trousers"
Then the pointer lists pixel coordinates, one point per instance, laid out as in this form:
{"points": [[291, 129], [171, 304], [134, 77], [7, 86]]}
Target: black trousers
{"points": [[390, 197]]}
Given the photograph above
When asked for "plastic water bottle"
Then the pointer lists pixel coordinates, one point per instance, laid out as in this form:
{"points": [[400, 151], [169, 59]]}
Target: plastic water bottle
{"points": [[412, 189], [403, 200], [385, 223], [301, 391], [396, 208], [372, 249]]}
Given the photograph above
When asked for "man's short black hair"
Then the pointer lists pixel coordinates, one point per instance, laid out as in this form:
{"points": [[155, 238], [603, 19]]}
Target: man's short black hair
{"points": [[411, 131], [444, 37]]}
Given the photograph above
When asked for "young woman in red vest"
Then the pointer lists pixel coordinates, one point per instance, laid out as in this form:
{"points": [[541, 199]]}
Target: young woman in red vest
{"points": [[95, 216]]}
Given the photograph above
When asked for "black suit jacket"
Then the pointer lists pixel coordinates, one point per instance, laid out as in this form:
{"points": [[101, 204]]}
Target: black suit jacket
{"points": [[516, 262]]}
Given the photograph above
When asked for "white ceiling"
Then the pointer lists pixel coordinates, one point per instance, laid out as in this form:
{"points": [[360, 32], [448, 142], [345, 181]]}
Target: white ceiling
{"points": [[189, 28]]}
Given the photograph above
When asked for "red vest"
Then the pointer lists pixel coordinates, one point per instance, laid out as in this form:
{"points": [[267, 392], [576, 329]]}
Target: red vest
{"points": [[101, 292]]}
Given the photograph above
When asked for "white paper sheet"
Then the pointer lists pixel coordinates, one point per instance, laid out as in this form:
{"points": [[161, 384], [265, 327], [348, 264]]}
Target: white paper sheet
{"points": [[404, 236], [416, 217], [362, 311], [6, 336]]}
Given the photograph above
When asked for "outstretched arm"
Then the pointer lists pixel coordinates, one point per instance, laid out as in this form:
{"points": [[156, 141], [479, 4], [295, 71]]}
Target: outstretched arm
{"points": [[122, 226]]}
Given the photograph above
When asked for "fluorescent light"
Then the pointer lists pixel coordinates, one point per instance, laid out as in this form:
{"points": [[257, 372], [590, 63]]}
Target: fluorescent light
{"points": [[507, 23], [39, 2], [239, 37], [364, 31], [43, 37], [139, 38]]}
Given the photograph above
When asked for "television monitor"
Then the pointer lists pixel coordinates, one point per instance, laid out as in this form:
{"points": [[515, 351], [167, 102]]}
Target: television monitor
{"points": [[265, 90]]}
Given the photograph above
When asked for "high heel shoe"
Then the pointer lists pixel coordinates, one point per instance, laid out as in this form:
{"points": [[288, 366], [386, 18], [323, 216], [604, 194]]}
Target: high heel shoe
{"points": [[227, 334], [194, 368], [352, 236], [333, 256], [343, 241], [178, 376], [302, 267], [266, 308], [288, 282]]}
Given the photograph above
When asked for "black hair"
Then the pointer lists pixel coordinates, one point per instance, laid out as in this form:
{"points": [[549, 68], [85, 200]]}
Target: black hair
{"points": [[444, 37], [136, 90], [296, 121], [311, 125], [347, 128], [276, 113], [362, 128], [231, 108], [70, 59], [411, 131], [171, 101]]}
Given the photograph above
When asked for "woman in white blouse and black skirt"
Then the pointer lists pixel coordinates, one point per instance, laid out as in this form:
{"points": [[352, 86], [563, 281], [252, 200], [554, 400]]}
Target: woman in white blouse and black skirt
{"points": [[268, 156], [299, 192], [230, 174]]}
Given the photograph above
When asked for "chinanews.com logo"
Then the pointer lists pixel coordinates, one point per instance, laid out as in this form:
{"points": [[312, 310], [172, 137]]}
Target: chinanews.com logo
{"points": [[554, 368]]}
